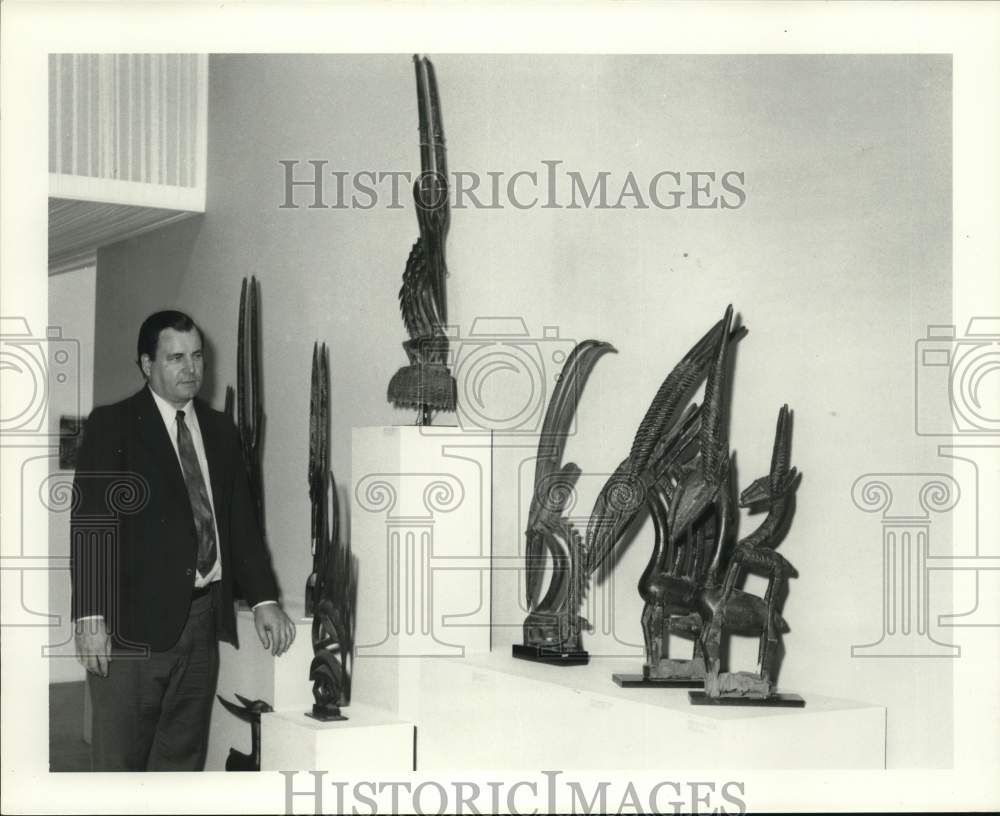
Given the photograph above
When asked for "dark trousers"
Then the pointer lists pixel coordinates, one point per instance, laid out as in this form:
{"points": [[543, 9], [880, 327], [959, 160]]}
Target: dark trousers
{"points": [[152, 713]]}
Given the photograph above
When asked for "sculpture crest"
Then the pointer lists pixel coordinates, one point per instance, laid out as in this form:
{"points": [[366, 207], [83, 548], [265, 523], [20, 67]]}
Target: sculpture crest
{"points": [[552, 629], [426, 383], [331, 589]]}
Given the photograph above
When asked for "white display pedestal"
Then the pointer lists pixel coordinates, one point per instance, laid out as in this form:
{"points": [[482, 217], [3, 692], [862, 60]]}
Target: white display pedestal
{"points": [[496, 712], [430, 695], [289, 739], [421, 527], [283, 682], [369, 740]]}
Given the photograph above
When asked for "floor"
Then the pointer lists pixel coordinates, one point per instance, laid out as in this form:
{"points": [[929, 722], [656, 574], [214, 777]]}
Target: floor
{"points": [[67, 750]]}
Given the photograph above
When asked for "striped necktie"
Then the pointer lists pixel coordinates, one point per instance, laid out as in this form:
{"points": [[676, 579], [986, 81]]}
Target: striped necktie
{"points": [[198, 494]]}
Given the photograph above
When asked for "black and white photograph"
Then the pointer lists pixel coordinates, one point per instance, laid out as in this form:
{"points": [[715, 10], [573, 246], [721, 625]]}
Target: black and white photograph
{"points": [[434, 409]]}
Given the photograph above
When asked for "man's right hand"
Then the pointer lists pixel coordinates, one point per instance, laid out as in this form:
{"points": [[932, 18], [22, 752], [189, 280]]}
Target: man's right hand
{"points": [[93, 645]]}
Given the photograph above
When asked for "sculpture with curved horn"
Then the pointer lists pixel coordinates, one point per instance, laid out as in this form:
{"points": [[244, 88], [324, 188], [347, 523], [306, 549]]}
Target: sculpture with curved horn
{"points": [[552, 629], [726, 608], [680, 470]]}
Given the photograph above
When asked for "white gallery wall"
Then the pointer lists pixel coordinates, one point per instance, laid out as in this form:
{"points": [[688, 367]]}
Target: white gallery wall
{"points": [[71, 311], [837, 256]]}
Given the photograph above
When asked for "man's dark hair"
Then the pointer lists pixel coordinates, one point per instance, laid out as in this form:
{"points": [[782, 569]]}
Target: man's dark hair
{"points": [[149, 332]]}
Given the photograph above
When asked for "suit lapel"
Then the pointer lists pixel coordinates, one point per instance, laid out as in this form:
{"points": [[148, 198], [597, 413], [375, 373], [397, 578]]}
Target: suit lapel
{"points": [[155, 437]]}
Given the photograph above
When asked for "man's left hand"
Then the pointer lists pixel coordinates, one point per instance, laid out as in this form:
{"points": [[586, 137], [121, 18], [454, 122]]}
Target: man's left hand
{"points": [[274, 628]]}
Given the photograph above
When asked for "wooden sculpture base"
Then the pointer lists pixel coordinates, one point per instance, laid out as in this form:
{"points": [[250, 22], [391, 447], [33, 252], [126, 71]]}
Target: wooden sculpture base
{"points": [[326, 713], [640, 681], [554, 657], [775, 700]]}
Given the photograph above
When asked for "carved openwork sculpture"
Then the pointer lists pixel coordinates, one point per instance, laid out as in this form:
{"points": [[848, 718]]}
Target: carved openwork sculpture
{"points": [[331, 589], [726, 607], [249, 421], [247, 402], [679, 469], [552, 629], [249, 713], [426, 383]]}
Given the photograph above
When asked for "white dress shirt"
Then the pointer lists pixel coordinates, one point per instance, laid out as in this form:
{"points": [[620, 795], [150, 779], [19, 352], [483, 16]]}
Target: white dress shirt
{"points": [[169, 414]]}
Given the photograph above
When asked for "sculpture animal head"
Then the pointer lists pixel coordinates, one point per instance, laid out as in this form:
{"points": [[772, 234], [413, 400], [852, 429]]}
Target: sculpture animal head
{"points": [[782, 481]]}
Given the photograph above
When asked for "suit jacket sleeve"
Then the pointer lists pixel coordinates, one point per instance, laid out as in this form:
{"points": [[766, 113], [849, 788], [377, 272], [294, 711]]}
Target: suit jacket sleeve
{"points": [[251, 563], [93, 541]]}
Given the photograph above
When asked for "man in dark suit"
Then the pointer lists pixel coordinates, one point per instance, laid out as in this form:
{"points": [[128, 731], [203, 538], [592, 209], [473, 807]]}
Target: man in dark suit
{"points": [[151, 600]]}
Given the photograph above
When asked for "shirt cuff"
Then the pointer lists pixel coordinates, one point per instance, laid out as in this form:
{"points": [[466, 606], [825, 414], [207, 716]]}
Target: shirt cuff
{"points": [[262, 603]]}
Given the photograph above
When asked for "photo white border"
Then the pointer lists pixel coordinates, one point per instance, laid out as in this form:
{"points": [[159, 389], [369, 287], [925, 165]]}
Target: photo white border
{"points": [[30, 30]]}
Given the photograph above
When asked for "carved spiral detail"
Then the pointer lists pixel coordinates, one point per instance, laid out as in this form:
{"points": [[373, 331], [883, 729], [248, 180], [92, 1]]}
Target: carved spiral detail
{"points": [[376, 495], [58, 494], [871, 494], [625, 495], [557, 494], [127, 494], [443, 495], [940, 494]]}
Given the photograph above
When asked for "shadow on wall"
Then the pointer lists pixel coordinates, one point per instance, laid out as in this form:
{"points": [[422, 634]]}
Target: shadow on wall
{"points": [[136, 277]]}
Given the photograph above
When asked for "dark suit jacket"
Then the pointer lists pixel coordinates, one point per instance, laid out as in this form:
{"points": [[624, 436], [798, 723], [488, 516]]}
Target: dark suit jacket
{"points": [[133, 541]]}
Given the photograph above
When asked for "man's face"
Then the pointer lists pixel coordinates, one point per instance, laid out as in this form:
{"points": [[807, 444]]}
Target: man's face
{"points": [[176, 372]]}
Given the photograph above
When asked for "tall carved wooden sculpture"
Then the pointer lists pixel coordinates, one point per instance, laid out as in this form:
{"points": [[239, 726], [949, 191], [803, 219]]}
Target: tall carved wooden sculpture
{"points": [[659, 475], [679, 469], [727, 608], [331, 589], [426, 383], [248, 402], [250, 422], [552, 629]]}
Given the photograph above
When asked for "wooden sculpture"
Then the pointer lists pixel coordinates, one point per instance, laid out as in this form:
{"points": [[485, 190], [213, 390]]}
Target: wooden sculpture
{"points": [[249, 402], [552, 629], [331, 589], [426, 383], [679, 469], [250, 713], [727, 608]]}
